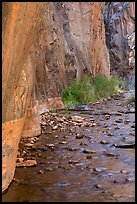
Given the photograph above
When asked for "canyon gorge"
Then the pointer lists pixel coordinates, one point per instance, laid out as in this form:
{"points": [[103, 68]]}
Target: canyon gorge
{"points": [[45, 45]]}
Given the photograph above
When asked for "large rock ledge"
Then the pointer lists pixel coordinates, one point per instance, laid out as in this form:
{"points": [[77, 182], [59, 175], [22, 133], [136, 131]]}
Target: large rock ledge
{"points": [[11, 132]]}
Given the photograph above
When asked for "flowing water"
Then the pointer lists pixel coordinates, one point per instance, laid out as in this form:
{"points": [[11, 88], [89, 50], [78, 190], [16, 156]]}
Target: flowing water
{"points": [[81, 163]]}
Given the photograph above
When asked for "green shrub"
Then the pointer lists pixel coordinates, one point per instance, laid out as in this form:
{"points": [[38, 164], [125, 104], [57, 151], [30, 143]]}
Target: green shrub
{"points": [[80, 93], [105, 87]]}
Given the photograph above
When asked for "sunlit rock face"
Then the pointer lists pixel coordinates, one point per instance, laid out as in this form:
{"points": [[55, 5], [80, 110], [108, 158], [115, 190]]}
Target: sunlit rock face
{"points": [[20, 22], [120, 38], [44, 46], [84, 37]]}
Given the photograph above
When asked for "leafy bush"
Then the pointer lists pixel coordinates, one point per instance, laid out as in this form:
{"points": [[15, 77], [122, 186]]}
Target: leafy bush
{"points": [[105, 87], [80, 93]]}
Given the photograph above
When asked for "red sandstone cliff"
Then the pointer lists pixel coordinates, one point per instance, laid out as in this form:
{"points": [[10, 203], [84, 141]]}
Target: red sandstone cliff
{"points": [[44, 45]]}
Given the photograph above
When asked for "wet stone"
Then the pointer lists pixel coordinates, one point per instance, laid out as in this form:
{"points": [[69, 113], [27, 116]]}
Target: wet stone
{"points": [[28, 145], [88, 151], [110, 154], [71, 148], [48, 169], [73, 161], [27, 163], [100, 169], [119, 121], [109, 134], [123, 171], [104, 142], [89, 157], [98, 186], [40, 172], [62, 142], [78, 136]]}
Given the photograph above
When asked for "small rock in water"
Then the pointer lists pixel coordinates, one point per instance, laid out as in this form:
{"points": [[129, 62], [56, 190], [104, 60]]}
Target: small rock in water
{"points": [[63, 142], [104, 142], [118, 114], [27, 163], [109, 134], [100, 169], [119, 121], [131, 179], [123, 171], [89, 157], [94, 124], [48, 169], [28, 145], [98, 186], [73, 161], [88, 151], [71, 148], [78, 136], [110, 154], [50, 145], [40, 172]]}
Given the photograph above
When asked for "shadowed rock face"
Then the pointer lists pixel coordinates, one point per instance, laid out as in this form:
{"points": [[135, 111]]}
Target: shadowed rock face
{"points": [[44, 46], [120, 38]]}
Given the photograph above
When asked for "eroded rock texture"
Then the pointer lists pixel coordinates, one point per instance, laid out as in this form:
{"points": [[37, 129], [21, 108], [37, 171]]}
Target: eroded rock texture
{"points": [[120, 36], [84, 37], [44, 46], [20, 22]]}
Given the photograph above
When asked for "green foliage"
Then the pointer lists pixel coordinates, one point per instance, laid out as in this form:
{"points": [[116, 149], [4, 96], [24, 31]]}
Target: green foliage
{"points": [[105, 87], [80, 93]]}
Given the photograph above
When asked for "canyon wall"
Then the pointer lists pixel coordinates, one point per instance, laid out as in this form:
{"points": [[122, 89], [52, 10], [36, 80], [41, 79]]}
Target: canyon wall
{"points": [[120, 39], [44, 46]]}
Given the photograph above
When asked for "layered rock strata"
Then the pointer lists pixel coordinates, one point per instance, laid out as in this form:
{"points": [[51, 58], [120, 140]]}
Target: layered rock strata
{"points": [[44, 46], [120, 38]]}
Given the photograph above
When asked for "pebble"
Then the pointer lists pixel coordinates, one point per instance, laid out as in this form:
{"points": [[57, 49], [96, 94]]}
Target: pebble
{"points": [[71, 148], [115, 181], [50, 145], [94, 124], [73, 161], [116, 128], [103, 142], [98, 186], [89, 157], [78, 136], [62, 142], [109, 134], [20, 159], [82, 143], [48, 169], [87, 151], [119, 121], [109, 154], [28, 145], [126, 121], [118, 114], [123, 171], [100, 169], [26, 163], [130, 179], [40, 172]]}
